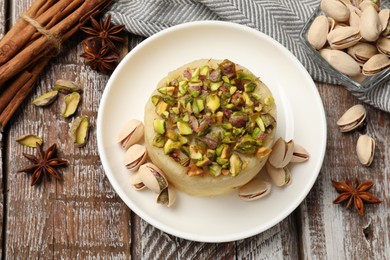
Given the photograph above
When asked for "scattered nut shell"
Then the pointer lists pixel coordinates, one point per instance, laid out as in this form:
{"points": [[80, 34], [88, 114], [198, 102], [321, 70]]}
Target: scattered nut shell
{"points": [[365, 149]]}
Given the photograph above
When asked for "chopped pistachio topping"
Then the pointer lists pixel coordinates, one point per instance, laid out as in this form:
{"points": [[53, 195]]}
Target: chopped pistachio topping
{"points": [[209, 116]]}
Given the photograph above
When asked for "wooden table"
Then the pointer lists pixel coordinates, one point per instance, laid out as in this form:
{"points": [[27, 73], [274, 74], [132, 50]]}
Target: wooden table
{"points": [[83, 217]]}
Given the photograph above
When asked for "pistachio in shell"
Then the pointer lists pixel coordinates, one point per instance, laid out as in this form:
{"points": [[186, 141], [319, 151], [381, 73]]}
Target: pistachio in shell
{"points": [[362, 51], [29, 140], [370, 24], [383, 45], [136, 182], [335, 9], [365, 149], [299, 154], [152, 177], [67, 86], [135, 156], [131, 132], [80, 130], [352, 118], [343, 37], [282, 153], [46, 99], [318, 31], [279, 176], [166, 197], [341, 61], [71, 102], [376, 64], [254, 190]]}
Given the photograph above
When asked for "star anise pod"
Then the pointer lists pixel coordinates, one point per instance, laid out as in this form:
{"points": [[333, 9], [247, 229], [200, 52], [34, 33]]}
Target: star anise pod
{"points": [[99, 57], [45, 163], [356, 193], [103, 31]]}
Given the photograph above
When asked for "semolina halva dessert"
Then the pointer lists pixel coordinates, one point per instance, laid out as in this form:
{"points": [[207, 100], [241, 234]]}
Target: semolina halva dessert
{"points": [[209, 126]]}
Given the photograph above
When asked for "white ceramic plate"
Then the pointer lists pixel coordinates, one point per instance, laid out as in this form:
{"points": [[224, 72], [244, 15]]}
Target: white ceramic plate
{"points": [[300, 116]]}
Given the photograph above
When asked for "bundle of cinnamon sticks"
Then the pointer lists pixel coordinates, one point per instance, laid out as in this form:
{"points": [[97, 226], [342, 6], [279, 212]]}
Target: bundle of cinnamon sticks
{"points": [[35, 38]]}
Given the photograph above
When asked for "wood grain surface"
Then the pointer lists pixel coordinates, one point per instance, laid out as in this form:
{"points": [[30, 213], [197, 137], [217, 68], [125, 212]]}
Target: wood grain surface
{"points": [[82, 217]]}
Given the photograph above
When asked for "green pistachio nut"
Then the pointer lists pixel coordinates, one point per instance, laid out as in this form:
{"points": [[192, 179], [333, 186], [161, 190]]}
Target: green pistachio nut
{"points": [[171, 146], [159, 126], [235, 164], [71, 102], [67, 86], [29, 140], [215, 169], [46, 99], [159, 141], [80, 130], [213, 102], [184, 128]]}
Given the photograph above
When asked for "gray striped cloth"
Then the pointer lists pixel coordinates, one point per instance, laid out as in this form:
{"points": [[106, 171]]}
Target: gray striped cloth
{"points": [[280, 19]]}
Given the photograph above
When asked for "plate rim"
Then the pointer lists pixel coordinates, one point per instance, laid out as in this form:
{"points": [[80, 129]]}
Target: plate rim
{"points": [[164, 227]]}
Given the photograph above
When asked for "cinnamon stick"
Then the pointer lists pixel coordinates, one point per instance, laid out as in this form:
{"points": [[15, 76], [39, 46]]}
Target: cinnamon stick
{"points": [[13, 88], [21, 95], [42, 45]]}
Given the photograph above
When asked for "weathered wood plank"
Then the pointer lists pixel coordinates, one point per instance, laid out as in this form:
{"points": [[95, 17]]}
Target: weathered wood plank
{"points": [[2, 171], [80, 216], [331, 230], [278, 242]]}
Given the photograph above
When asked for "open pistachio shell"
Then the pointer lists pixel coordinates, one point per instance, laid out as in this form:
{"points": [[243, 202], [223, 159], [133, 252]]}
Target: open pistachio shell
{"points": [[255, 189], [318, 31], [70, 104], [365, 149], [282, 153], [341, 61], [352, 118], [131, 133], [136, 182], [80, 130], [370, 24], [166, 197], [135, 156], [46, 99], [376, 64], [335, 9], [152, 177], [279, 176], [29, 140]]}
